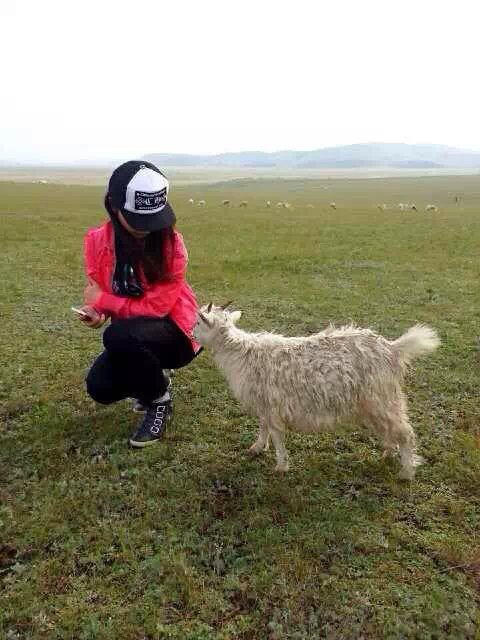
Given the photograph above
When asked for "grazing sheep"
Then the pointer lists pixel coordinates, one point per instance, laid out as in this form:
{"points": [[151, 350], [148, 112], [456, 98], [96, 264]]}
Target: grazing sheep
{"points": [[413, 207], [191, 201], [226, 203], [310, 384], [243, 203], [279, 205], [333, 205], [268, 204], [287, 205], [382, 207], [201, 203], [431, 207]]}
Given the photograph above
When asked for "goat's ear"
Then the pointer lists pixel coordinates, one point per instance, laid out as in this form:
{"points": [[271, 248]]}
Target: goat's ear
{"points": [[204, 318], [209, 308], [235, 316]]}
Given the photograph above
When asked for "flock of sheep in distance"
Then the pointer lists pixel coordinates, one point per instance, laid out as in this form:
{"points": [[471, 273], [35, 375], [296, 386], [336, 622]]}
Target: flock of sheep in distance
{"points": [[402, 206]]}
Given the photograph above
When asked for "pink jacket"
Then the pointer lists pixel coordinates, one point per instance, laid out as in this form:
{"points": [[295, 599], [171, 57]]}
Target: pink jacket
{"points": [[172, 297]]}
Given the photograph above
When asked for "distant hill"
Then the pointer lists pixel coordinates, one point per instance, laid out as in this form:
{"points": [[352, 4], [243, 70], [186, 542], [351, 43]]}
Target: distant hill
{"points": [[378, 154]]}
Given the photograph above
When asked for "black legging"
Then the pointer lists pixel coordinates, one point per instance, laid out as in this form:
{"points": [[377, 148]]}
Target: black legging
{"points": [[136, 352]]}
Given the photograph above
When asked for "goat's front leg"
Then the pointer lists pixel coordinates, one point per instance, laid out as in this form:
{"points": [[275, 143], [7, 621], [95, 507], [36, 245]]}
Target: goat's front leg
{"points": [[261, 443], [278, 435]]}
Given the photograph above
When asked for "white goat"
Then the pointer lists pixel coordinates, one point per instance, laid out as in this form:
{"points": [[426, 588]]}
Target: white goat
{"points": [[243, 203], [268, 204], [431, 207], [191, 201], [333, 205], [226, 203], [310, 384], [201, 203]]}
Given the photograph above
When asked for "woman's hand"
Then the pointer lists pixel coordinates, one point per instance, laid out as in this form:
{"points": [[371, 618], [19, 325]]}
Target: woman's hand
{"points": [[94, 320], [91, 292]]}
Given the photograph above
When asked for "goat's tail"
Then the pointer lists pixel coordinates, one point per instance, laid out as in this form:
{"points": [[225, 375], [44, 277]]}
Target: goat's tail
{"points": [[417, 341]]}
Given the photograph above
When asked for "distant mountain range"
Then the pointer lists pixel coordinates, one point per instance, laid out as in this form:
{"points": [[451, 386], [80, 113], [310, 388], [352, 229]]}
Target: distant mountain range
{"points": [[378, 154]]}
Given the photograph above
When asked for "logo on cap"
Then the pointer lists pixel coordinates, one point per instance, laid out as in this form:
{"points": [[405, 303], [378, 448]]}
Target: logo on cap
{"points": [[150, 201]]}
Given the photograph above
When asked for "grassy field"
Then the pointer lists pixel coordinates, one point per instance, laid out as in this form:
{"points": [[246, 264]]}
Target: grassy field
{"points": [[190, 540]]}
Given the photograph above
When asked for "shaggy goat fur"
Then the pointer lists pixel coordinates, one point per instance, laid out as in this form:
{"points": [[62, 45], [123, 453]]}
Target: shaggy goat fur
{"points": [[311, 384]]}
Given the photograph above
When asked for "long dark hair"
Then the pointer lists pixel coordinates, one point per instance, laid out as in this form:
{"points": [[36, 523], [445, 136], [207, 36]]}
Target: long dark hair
{"points": [[151, 255]]}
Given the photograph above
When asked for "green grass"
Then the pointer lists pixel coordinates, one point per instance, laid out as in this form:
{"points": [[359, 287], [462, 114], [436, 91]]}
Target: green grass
{"points": [[190, 539]]}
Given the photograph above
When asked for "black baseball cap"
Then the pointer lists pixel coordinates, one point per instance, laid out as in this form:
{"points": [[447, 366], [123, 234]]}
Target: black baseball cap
{"points": [[139, 189]]}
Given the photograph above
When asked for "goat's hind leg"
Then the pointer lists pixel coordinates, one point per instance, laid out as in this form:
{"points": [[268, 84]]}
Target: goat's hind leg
{"points": [[392, 426], [262, 441], [407, 444]]}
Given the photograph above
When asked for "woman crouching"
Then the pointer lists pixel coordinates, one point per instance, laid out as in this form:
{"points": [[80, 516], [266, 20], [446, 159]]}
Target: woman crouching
{"points": [[135, 265]]}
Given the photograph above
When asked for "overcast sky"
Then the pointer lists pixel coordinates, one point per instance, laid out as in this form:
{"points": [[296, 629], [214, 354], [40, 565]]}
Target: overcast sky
{"points": [[108, 79]]}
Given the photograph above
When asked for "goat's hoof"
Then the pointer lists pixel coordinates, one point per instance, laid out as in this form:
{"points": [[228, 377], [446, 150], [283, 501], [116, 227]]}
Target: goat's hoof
{"points": [[389, 453], [406, 474], [282, 468], [254, 451]]}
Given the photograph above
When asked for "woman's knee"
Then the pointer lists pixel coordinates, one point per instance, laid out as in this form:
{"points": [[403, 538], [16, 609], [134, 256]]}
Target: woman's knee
{"points": [[99, 390]]}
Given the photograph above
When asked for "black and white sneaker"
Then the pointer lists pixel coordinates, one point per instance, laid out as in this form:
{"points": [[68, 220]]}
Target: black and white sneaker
{"points": [[152, 428]]}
